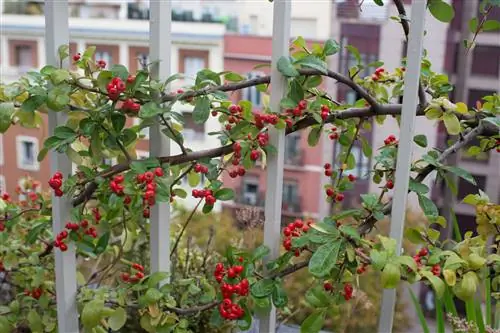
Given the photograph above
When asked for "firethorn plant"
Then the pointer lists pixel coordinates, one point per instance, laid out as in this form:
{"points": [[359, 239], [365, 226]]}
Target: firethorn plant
{"points": [[112, 203]]}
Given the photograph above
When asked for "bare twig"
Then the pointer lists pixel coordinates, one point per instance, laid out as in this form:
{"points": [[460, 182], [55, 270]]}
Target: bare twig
{"points": [[175, 137]]}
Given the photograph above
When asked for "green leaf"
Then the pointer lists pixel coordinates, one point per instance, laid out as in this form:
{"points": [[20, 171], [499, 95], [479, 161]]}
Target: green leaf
{"points": [[473, 25], [233, 77], [152, 295], [366, 147], [378, 2], [224, 194], [193, 178], [436, 282], [286, 68], [59, 75], [331, 47], [34, 232], [35, 321], [441, 10], [91, 313], [6, 112], [407, 261], [355, 53], [452, 123], [119, 71], [280, 299], [491, 25], [314, 136], [260, 252], [427, 206], [118, 120], [314, 63], [102, 243], [420, 312], [324, 258], [379, 259], [391, 275], [314, 322], [350, 231], [418, 187], [462, 173], [63, 51], [414, 236], [155, 278], [201, 110], [117, 319], [433, 113], [420, 140], [58, 98], [32, 103], [64, 132], [150, 109], [262, 288]]}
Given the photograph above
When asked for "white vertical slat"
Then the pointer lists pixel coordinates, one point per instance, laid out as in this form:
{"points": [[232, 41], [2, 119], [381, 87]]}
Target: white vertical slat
{"points": [[274, 181], [159, 144], [57, 34], [405, 148]]}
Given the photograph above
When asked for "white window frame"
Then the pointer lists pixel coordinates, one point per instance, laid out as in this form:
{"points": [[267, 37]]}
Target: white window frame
{"points": [[19, 144], [142, 154], [3, 184], [1, 150], [251, 93], [190, 75]]}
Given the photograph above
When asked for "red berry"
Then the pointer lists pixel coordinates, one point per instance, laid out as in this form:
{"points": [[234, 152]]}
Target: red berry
{"points": [[241, 171], [139, 275], [254, 155], [63, 247], [423, 252], [330, 192], [130, 78], [146, 212], [339, 197], [219, 267], [351, 177], [287, 232], [76, 57], [328, 286], [436, 270], [302, 104], [389, 184], [237, 147], [210, 200], [138, 267], [328, 172], [327, 166], [334, 136], [159, 172], [125, 277], [298, 223]]}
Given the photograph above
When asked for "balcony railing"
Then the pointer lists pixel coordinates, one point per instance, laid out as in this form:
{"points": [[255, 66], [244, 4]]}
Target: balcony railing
{"points": [[258, 200]]}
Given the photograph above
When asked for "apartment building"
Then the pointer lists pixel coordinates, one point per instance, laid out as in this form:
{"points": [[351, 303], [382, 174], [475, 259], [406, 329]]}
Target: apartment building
{"points": [[118, 39]]}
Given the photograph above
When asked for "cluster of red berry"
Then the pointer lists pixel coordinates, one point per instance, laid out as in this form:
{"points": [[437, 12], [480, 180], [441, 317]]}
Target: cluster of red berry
{"points": [[136, 276], [391, 139], [299, 109], [423, 253], [348, 289], [238, 171], [200, 168], [262, 119], [59, 242], [336, 197], [205, 193], [36, 293], [295, 229], [325, 112], [334, 135], [96, 214], [378, 74], [74, 227], [497, 143], [130, 106], [235, 115], [237, 153], [149, 195], [55, 182], [116, 185], [328, 169], [115, 88], [234, 286], [362, 268]]}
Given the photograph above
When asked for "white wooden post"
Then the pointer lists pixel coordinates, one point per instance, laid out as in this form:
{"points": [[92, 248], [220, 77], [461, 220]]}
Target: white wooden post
{"points": [[159, 144], [57, 34], [274, 181], [405, 148]]}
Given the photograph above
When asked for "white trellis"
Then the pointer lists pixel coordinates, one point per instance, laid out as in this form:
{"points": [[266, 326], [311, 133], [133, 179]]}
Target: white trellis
{"points": [[57, 33]]}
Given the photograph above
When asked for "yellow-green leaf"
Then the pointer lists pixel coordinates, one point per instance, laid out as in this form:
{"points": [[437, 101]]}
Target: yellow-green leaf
{"points": [[117, 319], [91, 314], [452, 123], [450, 277], [391, 276], [433, 113], [462, 107]]}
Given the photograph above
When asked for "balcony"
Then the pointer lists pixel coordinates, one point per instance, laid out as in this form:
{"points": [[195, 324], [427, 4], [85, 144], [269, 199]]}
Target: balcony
{"points": [[289, 208]]}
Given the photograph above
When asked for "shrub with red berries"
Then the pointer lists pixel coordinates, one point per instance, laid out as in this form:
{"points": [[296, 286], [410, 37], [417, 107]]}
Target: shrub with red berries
{"points": [[233, 287], [56, 182], [115, 88]]}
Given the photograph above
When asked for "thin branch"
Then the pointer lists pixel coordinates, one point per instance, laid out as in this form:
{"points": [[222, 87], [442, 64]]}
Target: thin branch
{"points": [[184, 226], [175, 137], [193, 310]]}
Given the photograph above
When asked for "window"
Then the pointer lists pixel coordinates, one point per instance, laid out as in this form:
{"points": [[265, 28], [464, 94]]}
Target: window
{"points": [[109, 161], [486, 60], [192, 131], [250, 191], [291, 200], [27, 151], [292, 148], [351, 61], [251, 93], [24, 56], [142, 154], [3, 186], [192, 65], [362, 166], [104, 55]]}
